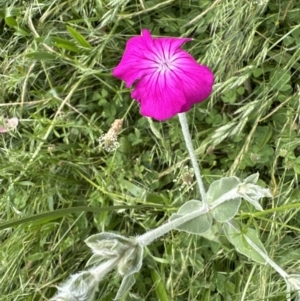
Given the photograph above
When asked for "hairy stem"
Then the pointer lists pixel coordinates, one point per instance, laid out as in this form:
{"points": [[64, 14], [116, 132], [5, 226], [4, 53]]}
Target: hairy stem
{"points": [[152, 235], [189, 145], [268, 260]]}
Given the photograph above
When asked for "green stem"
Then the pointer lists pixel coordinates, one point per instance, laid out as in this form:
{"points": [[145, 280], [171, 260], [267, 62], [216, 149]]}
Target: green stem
{"points": [[189, 145]]}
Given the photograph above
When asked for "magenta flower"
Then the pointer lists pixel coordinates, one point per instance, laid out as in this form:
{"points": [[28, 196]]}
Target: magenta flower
{"points": [[167, 80]]}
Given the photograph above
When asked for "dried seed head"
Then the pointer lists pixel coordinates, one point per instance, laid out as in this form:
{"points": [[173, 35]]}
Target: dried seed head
{"points": [[109, 141], [186, 179]]}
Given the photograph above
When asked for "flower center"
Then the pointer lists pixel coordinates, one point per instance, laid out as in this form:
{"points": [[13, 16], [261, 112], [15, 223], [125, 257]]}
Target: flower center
{"points": [[164, 65]]}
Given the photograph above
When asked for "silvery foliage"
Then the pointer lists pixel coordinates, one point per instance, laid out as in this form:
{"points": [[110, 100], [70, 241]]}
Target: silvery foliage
{"points": [[113, 251], [78, 287]]}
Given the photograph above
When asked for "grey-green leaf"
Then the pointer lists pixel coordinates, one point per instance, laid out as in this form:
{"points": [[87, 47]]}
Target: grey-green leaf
{"points": [[93, 240], [225, 187], [227, 210], [197, 225], [127, 283], [252, 178], [108, 245], [238, 239], [189, 207], [131, 261], [95, 260], [213, 233], [252, 193]]}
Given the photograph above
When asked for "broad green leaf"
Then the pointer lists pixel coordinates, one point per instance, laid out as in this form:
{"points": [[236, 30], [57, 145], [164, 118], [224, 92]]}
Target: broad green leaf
{"points": [[279, 79], [127, 283], [240, 90], [265, 134], [229, 97], [78, 37], [226, 211], [297, 165], [257, 72], [221, 187], [237, 238], [287, 41], [160, 289], [155, 198], [11, 22], [197, 225], [213, 233], [130, 187], [23, 32], [41, 56], [64, 44], [286, 88]]}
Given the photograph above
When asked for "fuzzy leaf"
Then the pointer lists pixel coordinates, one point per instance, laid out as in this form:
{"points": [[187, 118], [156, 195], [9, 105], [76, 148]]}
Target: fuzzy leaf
{"points": [[252, 179], [189, 207], [227, 210], [108, 245], [127, 283], [131, 261], [237, 238], [93, 240], [197, 225], [95, 260], [223, 188], [213, 233], [252, 193], [81, 286]]}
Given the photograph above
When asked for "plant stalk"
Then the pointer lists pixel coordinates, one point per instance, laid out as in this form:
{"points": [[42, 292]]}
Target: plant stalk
{"points": [[189, 145], [154, 234]]}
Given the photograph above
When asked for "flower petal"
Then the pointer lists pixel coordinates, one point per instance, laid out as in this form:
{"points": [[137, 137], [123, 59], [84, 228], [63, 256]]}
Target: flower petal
{"points": [[159, 97], [135, 61], [195, 80], [164, 94], [142, 53], [168, 80]]}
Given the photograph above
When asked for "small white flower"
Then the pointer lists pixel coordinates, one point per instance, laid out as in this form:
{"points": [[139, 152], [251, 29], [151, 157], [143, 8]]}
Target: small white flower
{"points": [[10, 124]]}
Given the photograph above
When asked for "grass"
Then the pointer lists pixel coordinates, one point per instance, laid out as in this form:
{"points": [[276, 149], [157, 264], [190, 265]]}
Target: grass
{"points": [[59, 187]]}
